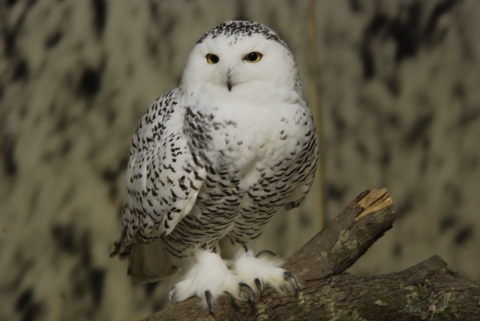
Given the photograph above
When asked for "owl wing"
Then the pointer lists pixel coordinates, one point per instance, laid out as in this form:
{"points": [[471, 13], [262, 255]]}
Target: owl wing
{"points": [[162, 179]]}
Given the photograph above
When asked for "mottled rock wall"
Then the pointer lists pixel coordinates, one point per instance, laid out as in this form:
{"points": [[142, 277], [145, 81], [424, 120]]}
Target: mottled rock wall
{"points": [[397, 82]]}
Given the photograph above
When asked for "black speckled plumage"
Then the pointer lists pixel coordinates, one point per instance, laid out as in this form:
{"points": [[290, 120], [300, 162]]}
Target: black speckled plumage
{"points": [[209, 167]]}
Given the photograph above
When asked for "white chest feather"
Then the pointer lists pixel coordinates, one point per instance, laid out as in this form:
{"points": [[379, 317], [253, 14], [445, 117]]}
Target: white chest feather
{"points": [[251, 127]]}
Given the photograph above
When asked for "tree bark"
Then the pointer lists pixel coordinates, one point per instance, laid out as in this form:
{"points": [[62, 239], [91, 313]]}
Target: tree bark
{"points": [[426, 291]]}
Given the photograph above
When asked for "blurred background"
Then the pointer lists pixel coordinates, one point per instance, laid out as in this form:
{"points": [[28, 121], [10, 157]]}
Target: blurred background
{"points": [[395, 85]]}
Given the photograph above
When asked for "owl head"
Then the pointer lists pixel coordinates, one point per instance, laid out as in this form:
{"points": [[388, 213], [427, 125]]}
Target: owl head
{"points": [[240, 56]]}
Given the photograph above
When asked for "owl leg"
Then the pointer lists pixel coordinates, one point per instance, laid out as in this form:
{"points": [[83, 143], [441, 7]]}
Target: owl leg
{"points": [[264, 270], [206, 276]]}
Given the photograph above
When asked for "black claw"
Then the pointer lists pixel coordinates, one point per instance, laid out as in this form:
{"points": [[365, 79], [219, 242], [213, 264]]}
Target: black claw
{"points": [[258, 284], [170, 296], [250, 291], [293, 280], [267, 253], [208, 297]]}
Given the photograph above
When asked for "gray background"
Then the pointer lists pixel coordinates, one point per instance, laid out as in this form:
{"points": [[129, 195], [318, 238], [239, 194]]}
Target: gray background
{"points": [[396, 84]]}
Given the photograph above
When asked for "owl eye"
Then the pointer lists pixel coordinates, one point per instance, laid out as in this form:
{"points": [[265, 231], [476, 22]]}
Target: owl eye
{"points": [[253, 57], [212, 59]]}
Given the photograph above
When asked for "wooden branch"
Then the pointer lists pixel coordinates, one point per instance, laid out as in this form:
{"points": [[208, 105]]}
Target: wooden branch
{"points": [[427, 291]]}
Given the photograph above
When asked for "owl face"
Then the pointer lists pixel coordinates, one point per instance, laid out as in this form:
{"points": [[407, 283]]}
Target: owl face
{"points": [[239, 63]]}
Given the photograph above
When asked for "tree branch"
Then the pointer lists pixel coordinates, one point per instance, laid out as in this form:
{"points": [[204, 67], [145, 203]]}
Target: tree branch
{"points": [[425, 291]]}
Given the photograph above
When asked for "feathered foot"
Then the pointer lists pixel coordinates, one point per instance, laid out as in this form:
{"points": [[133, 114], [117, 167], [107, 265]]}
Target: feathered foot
{"points": [[265, 270], [208, 278]]}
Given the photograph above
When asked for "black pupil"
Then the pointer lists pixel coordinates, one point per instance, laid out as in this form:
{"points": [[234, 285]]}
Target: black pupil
{"points": [[214, 58], [252, 56]]}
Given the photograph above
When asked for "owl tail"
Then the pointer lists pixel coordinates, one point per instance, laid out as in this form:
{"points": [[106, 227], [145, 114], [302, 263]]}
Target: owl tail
{"points": [[121, 247], [150, 262], [147, 262]]}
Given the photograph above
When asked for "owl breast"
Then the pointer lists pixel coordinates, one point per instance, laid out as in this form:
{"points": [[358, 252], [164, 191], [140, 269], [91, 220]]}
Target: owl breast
{"points": [[260, 123], [245, 140]]}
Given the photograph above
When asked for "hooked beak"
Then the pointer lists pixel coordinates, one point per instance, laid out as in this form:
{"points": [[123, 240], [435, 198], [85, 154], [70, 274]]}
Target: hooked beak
{"points": [[229, 79]]}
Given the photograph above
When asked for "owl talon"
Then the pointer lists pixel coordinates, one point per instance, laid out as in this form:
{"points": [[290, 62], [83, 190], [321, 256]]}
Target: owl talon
{"points": [[208, 297], [171, 295], [292, 278], [266, 254], [258, 284], [250, 291]]}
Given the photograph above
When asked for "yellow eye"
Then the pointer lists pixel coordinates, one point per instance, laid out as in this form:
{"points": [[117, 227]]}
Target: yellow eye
{"points": [[212, 59], [253, 57]]}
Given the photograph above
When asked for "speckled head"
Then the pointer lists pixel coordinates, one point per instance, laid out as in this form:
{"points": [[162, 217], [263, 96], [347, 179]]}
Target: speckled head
{"points": [[239, 58], [242, 28]]}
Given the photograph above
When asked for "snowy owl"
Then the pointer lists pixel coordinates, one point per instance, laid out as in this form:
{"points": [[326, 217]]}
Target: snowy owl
{"points": [[212, 161]]}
